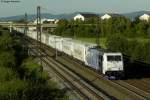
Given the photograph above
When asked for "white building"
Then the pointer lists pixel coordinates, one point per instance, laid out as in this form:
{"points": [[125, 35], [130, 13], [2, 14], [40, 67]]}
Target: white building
{"points": [[108, 16], [84, 16], [145, 17]]}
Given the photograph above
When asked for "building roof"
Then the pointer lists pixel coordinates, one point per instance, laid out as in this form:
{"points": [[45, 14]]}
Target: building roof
{"points": [[88, 15]]}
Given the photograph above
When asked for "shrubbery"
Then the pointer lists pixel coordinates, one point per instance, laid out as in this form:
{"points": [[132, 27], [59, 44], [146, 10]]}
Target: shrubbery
{"points": [[21, 78], [136, 50], [91, 27]]}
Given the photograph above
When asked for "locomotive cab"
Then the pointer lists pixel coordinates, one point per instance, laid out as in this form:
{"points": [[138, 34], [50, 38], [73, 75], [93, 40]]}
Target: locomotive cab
{"points": [[113, 65]]}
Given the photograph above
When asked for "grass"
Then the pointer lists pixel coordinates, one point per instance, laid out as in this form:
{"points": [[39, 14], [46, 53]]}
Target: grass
{"points": [[103, 41], [93, 40], [143, 40]]}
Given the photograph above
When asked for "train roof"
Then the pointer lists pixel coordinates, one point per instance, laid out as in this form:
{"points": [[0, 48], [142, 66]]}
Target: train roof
{"points": [[84, 43], [90, 45], [76, 41], [106, 52]]}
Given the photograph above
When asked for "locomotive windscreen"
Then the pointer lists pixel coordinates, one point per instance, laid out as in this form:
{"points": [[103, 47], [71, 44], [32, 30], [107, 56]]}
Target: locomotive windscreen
{"points": [[113, 58]]}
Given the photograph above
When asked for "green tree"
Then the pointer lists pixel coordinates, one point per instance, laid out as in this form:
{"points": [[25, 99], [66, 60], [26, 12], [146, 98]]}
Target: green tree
{"points": [[141, 28], [118, 43], [6, 41], [7, 59], [7, 74]]}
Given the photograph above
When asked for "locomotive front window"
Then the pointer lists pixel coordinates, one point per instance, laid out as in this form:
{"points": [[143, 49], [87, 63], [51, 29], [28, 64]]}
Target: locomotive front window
{"points": [[113, 58]]}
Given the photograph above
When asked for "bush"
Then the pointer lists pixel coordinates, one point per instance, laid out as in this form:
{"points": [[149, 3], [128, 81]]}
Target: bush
{"points": [[132, 48], [25, 82], [117, 43], [43, 92], [7, 59], [12, 90], [32, 70], [7, 74], [141, 52], [6, 41]]}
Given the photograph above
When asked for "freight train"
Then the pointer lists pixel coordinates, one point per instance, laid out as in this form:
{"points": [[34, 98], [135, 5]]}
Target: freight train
{"points": [[109, 64]]}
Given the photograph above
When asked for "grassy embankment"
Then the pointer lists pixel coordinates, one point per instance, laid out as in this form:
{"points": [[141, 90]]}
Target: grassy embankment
{"points": [[103, 41]]}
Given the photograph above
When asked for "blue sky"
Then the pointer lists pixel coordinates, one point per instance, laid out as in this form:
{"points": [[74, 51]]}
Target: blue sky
{"points": [[68, 6]]}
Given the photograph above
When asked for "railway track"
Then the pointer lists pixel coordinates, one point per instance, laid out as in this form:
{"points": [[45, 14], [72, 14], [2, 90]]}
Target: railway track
{"points": [[131, 93], [82, 87], [86, 91], [136, 90], [68, 81], [143, 84]]}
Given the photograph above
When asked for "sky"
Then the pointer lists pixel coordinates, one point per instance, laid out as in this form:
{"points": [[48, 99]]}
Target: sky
{"points": [[70, 6]]}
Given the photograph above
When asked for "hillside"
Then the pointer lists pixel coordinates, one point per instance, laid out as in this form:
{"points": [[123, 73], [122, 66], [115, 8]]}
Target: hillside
{"points": [[131, 15]]}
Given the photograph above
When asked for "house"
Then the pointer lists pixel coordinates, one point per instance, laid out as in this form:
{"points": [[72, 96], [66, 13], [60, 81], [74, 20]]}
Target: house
{"points": [[84, 16], [110, 15], [145, 17]]}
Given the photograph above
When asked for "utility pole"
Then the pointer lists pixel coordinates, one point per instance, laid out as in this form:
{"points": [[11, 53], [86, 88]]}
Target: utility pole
{"points": [[26, 22], [25, 33], [39, 25], [38, 28]]}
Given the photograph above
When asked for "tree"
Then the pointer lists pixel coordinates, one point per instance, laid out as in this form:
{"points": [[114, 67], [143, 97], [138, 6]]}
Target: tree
{"points": [[25, 82], [33, 71], [7, 59], [7, 74], [141, 28], [118, 43], [6, 41]]}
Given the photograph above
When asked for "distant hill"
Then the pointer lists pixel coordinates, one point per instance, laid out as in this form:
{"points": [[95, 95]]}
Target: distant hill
{"points": [[45, 15], [131, 15]]}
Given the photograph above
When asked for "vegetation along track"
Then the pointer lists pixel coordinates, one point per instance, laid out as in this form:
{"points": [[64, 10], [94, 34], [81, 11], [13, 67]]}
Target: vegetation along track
{"points": [[118, 91], [81, 87]]}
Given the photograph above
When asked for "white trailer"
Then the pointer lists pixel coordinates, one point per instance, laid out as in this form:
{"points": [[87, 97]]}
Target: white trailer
{"points": [[43, 38], [67, 46], [58, 43], [34, 35], [80, 49], [52, 41], [47, 39]]}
